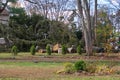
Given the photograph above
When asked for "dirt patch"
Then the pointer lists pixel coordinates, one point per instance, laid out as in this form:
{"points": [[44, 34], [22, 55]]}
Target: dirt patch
{"points": [[62, 58], [27, 72]]}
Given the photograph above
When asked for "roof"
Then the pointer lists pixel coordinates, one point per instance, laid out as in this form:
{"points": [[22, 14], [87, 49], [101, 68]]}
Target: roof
{"points": [[5, 13]]}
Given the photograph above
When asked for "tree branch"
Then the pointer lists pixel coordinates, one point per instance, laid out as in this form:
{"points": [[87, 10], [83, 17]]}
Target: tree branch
{"points": [[31, 1], [4, 6]]}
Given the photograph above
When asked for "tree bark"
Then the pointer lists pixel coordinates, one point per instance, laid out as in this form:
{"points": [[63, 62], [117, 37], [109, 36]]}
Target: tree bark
{"points": [[84, 13], [95, 21]]}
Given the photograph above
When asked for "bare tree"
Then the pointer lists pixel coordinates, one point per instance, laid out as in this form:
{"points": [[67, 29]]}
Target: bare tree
{"points": [[115, 14], [52, 9], [95, 21], [114, 3], [4, 4], [84, 13]]}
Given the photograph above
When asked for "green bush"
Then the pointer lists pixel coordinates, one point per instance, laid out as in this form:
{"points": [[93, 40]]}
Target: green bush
{"points": [[64, 49], [80, 65], [69, 68], [79, 51], [32, 50], [48, 50], [14, 50]]}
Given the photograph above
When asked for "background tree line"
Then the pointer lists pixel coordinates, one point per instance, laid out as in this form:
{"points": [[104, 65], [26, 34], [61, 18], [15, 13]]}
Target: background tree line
{"points": [[25, 30], [43, 22]]}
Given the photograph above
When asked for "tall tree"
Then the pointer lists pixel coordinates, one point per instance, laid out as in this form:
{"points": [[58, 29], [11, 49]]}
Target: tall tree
{"points": [[95, 21], [53, 9], [84, 13], [104, 28], [115, 4]]}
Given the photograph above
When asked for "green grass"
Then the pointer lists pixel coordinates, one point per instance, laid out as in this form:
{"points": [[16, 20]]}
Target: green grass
{"points": [[27, 54], [7, 55], [30, 64], [69, 78], [101, 62], [49, 65], [87, 78], [54, 76]]}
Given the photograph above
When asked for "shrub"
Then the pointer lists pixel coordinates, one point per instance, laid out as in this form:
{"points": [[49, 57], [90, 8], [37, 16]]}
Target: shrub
{"points": [[48, 50], [80, 65], [69, 68], [99, 69], [64, 49], [32, 50], [14, 50], [104, 69], [91, 68], [79, 51]]}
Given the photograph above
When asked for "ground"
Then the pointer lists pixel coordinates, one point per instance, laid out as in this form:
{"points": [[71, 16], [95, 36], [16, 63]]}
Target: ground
{"points": [[43, 67]]}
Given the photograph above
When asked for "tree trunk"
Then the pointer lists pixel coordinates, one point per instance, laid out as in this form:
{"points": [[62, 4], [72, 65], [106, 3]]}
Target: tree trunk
{"points": [[95, 22], [84, 13]]}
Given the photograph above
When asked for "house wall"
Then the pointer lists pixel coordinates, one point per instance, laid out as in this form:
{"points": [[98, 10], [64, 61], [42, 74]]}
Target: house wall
{"points": [[4, 19]]}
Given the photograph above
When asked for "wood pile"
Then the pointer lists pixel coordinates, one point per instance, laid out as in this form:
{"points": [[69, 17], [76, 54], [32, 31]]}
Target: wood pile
{"points": [[56, 47], [42, 51]]}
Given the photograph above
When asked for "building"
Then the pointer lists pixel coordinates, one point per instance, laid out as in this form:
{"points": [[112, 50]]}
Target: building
{"points": [[5, 44], [4, 17], [2, 41]]}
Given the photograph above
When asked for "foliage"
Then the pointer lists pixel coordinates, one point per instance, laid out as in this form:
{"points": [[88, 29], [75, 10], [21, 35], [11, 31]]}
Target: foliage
{"points": [[4, 30], [28, 27], [4, 4], [64, 49], [59, 32], [108, 48], [28, 30], [36, 28], [14, 50], [91, 67], [32, 50], [80, 65], [104, 69], [104, 29], [69, 68], [79, 50], [100, 69], [15, 10], [48, 50], [79, 34]]}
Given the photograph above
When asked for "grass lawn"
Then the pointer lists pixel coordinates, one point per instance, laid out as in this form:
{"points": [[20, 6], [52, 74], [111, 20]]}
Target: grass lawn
{"points": [[68, 78], [42, 71], [22, 54], [32, 70]]}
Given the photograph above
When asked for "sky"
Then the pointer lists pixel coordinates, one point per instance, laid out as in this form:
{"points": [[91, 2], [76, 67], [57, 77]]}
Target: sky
{"points": [[99, 1], [106, 2], [102, 2]]}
